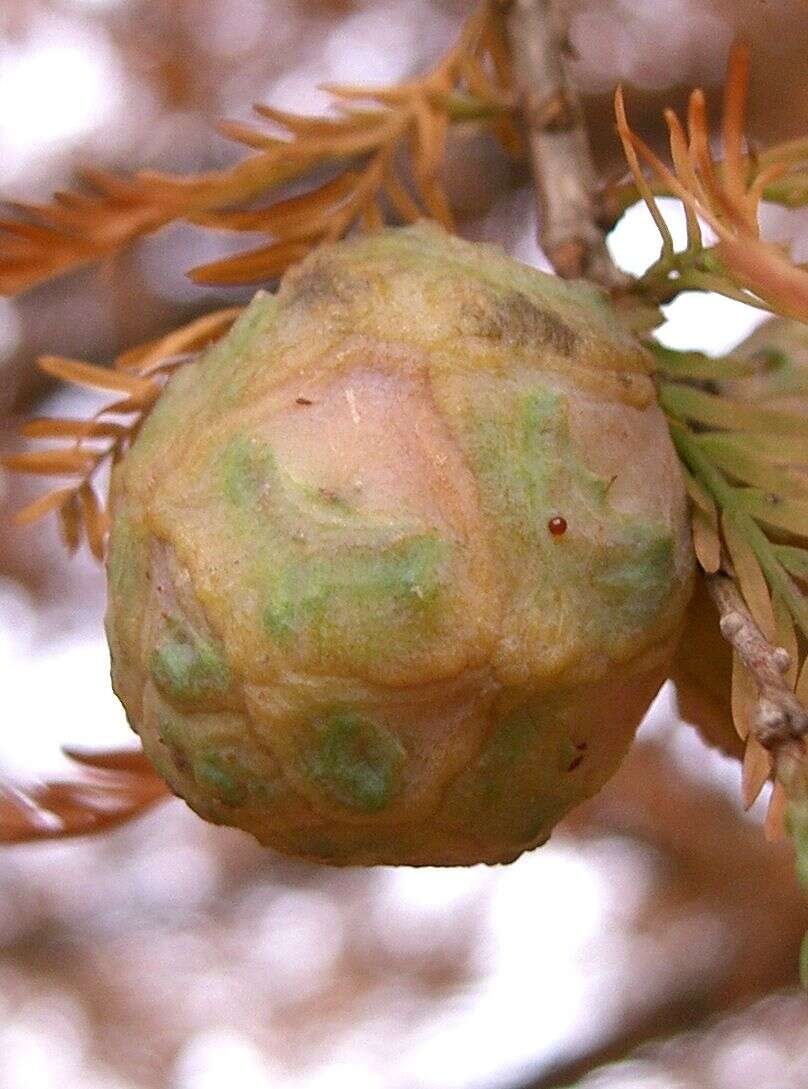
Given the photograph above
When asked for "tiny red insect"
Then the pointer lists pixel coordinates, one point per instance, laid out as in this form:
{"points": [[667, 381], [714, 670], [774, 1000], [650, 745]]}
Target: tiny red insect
{"points": [[557, 526]]}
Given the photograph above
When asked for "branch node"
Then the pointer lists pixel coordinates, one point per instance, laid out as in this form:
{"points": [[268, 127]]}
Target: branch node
{"points": [[780, 719], [781, 659], [553, 114], [731, 624]]}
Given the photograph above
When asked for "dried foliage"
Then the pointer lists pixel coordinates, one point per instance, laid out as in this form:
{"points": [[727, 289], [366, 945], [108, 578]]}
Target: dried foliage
{"points": [[726, 197], [110, 789], [87, 446], [745, 461], [378, 156]]}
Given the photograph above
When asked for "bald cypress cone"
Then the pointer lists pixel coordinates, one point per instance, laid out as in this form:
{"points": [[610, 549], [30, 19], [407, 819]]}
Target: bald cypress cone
{"points": [[397, 567]]}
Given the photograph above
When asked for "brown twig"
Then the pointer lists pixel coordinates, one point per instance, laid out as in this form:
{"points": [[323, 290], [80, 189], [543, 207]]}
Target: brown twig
{"points": [[779, 719], [564, 174]]}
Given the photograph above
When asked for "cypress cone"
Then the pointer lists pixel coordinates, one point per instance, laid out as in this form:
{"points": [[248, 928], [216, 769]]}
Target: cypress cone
{"points": [[397, 567]]}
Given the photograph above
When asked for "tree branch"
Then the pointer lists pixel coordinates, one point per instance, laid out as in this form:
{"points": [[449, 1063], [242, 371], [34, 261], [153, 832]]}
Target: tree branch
{"points": [[563, 171], [780, 719]]}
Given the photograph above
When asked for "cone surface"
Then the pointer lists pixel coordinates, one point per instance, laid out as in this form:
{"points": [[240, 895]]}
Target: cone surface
{"points": [[397, 567]]}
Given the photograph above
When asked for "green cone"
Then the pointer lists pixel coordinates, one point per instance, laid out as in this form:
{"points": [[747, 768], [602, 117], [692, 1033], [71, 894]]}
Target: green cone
{"points": [[397, 567]]}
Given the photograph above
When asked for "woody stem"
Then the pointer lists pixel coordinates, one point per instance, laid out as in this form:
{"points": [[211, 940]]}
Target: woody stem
{"points": [[563, 170]]}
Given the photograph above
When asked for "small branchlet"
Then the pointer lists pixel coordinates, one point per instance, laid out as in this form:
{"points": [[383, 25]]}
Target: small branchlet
{"points": [[779, 718], [740, 264], [746, 495], [744, 460], [564, 174]]}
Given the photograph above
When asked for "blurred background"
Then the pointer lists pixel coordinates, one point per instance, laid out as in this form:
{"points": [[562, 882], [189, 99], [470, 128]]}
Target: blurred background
{"points": [[652, 944]]}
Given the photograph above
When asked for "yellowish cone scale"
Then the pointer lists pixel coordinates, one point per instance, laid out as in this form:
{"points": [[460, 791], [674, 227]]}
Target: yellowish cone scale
{"points": [[339, 615]]}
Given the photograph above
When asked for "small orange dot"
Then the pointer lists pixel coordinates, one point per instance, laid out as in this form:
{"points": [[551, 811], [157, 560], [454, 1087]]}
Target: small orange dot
{"points": [[557, 526]]}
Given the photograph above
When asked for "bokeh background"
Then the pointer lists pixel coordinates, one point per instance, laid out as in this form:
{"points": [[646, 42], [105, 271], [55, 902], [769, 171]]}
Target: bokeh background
{"points": [[652, 944]]}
